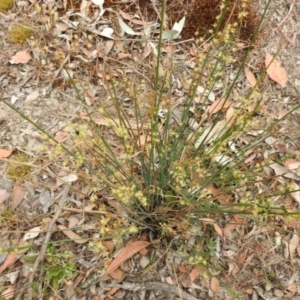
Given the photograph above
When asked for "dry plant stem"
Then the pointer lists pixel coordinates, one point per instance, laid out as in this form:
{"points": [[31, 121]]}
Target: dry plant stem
{"points": [[40, 258], [86, 211], [154, 286], [291, 7], [179, 290], [49, 88]]}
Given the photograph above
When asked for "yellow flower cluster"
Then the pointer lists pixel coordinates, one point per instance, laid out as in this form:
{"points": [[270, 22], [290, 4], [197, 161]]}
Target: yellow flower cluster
{"points": [[127, 194], [121, 132], [196, 260], [180, 177]]}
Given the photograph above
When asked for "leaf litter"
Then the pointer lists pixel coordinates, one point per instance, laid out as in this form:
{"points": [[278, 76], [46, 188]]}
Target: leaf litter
{"points": [[25, 86]]}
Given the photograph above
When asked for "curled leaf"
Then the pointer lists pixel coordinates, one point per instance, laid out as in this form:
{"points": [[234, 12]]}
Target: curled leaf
{"points": [[126, 28], [72, 235], [32, 233]]}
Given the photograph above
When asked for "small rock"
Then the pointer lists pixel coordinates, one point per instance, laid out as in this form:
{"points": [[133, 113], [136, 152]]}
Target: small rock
{"points": [[144, 261], [268, 286], [270, 140], [278, 293], [32, 96]]}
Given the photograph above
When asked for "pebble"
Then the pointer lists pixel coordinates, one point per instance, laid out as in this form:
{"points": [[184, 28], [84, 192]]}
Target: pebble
{"points": [[144, 261], [278, 293]]}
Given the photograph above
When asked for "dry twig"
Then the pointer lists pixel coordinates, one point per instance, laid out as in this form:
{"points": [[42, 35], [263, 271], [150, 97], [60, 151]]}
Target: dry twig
{"points": [[49, 88], [40, 258]]}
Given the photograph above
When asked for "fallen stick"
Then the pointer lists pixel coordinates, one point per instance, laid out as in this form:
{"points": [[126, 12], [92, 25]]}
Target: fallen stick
{"points": [[41, 256]]}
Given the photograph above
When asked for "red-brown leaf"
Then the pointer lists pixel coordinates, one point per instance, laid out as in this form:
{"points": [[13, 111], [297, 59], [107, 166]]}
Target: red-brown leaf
{"points": [[126, 253], [275, 71]]}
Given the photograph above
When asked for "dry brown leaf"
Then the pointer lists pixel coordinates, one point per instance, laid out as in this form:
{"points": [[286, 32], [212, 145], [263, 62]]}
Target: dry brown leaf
{"points": [[242, 257], [282, 113], [182, 268], [293, 166], [112, 291], [3, 196], [169, 280], [280, 170], [195, 273], [126, 253], [232, 224], [241, 46], [46, 223], [292, 288], [250, 159], [289, 161], [296, 193], [108, 46], [144, 252], [143, 139], [229, 117], [133, 20], [192, 52], [293, 244], [233, 268], [250, 76], [147, 50], [123, 55], [118, 274], [228, 228], [22, 57], [215, 285], [109, 246], [248, 290], [223, 199], [72, 235], [10, 259], [185, 280], [217, 106], [4, 153], [117, 206], [9, 292], [275, 71], [169, 49], [217, 228], [84, 7], [60, 135], [17, 196]]}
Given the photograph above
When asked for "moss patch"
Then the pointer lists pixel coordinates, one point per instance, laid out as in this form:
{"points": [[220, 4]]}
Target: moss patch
{"points": [[18, 169], [6, 4], [19, 34]]}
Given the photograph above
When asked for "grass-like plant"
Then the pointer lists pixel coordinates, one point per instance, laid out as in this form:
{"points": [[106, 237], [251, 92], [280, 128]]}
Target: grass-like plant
{"points": [[6, 5], [169, 168], [174, 167]]}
